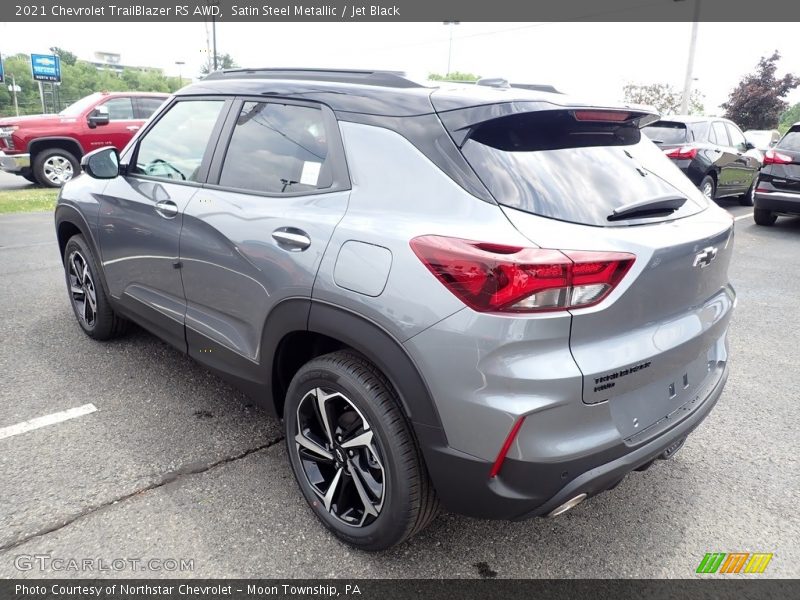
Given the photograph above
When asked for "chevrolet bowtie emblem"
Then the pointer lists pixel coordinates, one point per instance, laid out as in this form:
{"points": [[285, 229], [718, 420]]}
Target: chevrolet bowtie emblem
{"points": [[705, 257]]}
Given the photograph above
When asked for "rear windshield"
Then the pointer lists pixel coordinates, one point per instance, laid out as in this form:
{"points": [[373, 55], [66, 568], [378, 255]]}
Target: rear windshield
{"points": [[791, 141], [549, 164], [667, 133]]}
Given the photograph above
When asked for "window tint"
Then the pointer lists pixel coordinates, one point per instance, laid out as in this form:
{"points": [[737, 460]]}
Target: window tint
{"points": [[737, 138], [791, 141], [718, 135], [147, 106], [119, 109], [548, 164], [666, 132], [174, 147], [277, 148]]}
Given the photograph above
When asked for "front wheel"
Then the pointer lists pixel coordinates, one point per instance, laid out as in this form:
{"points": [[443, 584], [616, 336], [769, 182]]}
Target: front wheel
{"points": [[764, 217], [55, 167], [353, 453], [87, 297]]}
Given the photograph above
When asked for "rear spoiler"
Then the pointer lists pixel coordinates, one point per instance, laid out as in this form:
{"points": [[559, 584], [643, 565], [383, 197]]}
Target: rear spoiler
{"points": [[460, 122]]}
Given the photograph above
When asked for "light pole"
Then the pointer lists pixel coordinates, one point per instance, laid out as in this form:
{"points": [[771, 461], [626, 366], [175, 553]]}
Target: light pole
{"points": [[687, 82], [180, 64], [14, 89], [450, 24]]}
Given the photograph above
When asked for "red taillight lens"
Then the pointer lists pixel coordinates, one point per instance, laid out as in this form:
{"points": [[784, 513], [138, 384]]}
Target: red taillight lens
{"points": [[681, 153], [499, 278], [772, 157]]}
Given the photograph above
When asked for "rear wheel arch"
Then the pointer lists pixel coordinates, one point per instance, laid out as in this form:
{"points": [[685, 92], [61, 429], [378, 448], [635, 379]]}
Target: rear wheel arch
{"points": [[330, 328]]}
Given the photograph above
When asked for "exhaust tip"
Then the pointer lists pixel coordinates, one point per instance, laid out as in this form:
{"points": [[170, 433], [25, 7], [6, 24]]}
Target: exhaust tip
{"points": [[568, 505]]}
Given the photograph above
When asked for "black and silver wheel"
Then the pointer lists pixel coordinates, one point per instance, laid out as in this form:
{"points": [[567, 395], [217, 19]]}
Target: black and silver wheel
{"points": [[54, 168], [353, 454], [87, 297], [707, 187], [749, 196]]}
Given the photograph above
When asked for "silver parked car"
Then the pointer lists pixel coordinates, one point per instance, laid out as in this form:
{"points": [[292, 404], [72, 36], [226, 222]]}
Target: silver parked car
{"points": [[493, 299]]}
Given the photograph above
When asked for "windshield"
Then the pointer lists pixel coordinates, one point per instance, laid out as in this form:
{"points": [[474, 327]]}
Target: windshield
{"points": [[791, 141], [76, 109]]}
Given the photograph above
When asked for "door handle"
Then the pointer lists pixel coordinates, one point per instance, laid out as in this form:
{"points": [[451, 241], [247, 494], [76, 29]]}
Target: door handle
{"points": [[291, 238], [167, 209], [132, 128]]}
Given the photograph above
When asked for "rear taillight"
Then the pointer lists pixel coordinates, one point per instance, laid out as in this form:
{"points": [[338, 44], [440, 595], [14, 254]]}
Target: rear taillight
{"points": [[773, 157], [681, 153], [498, 278]]}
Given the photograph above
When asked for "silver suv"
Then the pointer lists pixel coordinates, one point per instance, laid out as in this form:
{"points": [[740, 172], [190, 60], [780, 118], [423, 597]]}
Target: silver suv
{"points": [[493, 299]]}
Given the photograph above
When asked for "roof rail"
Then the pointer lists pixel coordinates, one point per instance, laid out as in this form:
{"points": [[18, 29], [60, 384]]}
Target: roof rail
{"points": [[396, 79]]}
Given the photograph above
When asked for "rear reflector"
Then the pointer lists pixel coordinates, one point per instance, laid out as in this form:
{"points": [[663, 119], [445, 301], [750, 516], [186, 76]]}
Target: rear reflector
{"points": [[608, 116], [491, 277], [681, 153], [772, 157], [501, 456]]}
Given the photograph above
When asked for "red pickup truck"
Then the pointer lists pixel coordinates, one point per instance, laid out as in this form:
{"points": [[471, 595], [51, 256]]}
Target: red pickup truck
{"points": [[47, 149]]}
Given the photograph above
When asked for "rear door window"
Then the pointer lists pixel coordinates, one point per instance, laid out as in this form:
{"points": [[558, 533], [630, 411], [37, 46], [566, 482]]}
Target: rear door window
{"points": [[549, 164], [718, 134], [146, 106], [277, 149]]}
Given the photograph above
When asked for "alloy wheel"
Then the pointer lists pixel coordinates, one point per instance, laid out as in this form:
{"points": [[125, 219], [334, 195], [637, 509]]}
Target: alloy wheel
{"points": [[81, 288], [708, 191], [339, 457], [57, 169]]}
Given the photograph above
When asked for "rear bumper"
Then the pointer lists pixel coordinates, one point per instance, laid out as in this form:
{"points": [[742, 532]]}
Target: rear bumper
{"points": [[525, 489], [783, 202], [14, 163]]}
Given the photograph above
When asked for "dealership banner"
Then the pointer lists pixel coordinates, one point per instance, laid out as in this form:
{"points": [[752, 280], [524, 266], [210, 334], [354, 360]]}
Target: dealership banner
{"points": [[401, 10], [382, 589]]}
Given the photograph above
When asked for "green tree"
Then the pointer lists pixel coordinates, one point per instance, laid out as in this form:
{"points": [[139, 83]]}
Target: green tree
{"points": [[789, 118], [454, 76], [663, 97], [67, 57], [224, 61], [758, 101]]}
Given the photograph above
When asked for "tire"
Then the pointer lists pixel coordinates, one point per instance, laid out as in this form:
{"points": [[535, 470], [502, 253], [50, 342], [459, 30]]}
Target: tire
{"points": [[28, 175], [764, 217], [746, 199], [54, 167], [99, 322], [708, 187], [381, 467]]}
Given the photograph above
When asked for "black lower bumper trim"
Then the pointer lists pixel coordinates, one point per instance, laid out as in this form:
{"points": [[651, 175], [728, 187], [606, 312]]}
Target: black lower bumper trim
{"points": [[526, 489]]}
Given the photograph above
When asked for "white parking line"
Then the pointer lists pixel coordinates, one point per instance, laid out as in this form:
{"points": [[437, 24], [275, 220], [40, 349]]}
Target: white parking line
{"points": [[740, 217], [38, 422]]}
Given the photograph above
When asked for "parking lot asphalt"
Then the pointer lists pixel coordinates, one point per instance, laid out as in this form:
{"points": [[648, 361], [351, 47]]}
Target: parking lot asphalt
{"points": [[13, 182], [176, 464]]}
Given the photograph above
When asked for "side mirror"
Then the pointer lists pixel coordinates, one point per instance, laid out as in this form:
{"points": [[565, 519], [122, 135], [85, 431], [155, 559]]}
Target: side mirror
{"points": [[99, 116], [749, 146], [102, 163]]}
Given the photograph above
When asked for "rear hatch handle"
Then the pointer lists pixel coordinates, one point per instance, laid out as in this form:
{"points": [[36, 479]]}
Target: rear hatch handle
{"points": [[654, 207]]}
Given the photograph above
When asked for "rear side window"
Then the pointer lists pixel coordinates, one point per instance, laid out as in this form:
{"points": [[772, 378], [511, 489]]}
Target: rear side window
{"points": [[549, 164], [791, 141], [147, 106], [718, 135], [277, 149], [119, 109], [174, 147], [666, 132]]}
